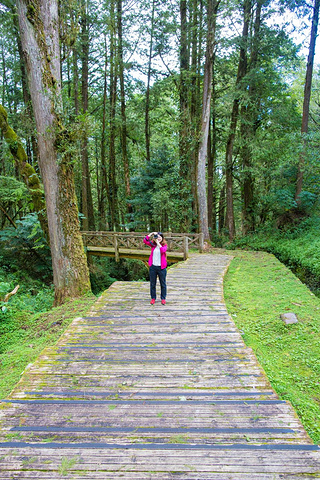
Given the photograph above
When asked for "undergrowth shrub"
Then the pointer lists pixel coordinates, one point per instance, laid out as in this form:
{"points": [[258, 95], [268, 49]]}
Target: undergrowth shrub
{"points": [[297, 247], [24, 250], [105, 271]]}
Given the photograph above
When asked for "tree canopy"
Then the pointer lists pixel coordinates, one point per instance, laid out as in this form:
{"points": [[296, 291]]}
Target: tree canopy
{"points": [[144, 152]]}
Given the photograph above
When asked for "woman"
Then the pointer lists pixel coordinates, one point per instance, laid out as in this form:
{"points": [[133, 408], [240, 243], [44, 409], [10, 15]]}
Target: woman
{"points": [[158, 264]]}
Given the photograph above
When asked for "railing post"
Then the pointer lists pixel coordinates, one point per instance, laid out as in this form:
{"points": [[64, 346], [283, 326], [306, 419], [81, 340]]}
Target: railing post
{"points": [[185, 247], [116, 248], [201, 242]]}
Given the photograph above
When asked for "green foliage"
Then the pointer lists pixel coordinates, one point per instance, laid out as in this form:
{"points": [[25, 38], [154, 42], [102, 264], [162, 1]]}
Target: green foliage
{"points": [[155, 193], [297, 247], [12, 191], [104, 271], [32, 297], [257, 289], [4, 289], [24, 249], [14, 199]]}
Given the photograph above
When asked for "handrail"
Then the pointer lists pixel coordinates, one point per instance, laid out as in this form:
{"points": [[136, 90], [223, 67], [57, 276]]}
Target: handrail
{"points": [[177, 242]]}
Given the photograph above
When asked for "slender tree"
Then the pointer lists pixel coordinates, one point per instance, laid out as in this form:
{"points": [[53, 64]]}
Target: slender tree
{"points": [[212, 155], [113, 187], [86, 197], [147, 110], [242, 68], [205, 121], [123, 129], [249, 123], [102, 188], [306, 98]]}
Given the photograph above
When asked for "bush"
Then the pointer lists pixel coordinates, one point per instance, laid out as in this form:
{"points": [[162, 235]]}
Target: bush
{"points": [[24, 249], [104, 271], [297, 247]]}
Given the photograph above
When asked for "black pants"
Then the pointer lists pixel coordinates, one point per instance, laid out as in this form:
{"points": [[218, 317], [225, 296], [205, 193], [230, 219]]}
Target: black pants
{"points": [[162, 274]]}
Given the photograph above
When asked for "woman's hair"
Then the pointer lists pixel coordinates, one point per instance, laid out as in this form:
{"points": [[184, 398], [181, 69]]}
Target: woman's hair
{"points": [[163, 242]]}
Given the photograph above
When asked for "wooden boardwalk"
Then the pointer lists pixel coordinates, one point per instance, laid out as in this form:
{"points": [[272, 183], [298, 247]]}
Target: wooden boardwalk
{"points": [[141, 392]]}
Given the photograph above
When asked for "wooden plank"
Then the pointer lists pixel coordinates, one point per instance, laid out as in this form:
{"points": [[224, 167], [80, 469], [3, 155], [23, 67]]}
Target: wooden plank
{"points": [[130, 253], [153, 393]]}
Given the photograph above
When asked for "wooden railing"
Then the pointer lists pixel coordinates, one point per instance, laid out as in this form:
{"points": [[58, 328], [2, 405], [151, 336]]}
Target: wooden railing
{"points": [[131, 241]]}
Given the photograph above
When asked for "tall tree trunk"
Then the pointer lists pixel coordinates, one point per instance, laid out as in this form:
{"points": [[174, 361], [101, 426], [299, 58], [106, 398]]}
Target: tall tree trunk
{"points": [[75, 80], [104, 176], [184, 128], [242, 68], [183, 91], [4, 77], [123, 130], [25, 92], [38, 24], [205, 121], [249, 122], [113, 188], [306, 98], [147, 110], [221, 211], [212, 154], [87, 204], [196, 41]]}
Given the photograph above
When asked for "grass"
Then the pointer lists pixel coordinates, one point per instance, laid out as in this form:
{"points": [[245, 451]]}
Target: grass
{"points": [[67, 464], [30, 334], [257, 289], [297, 247]]}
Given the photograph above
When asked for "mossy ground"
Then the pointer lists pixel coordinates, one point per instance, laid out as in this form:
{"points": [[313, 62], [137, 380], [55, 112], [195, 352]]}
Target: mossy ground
{"points": [[32, 334], [257, 289]]}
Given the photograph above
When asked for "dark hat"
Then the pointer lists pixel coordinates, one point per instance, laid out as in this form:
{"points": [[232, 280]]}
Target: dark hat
{"points": [[161, 234]]}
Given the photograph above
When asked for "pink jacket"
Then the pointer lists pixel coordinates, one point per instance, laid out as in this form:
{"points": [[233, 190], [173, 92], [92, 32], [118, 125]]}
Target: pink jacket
{"points": [[163, 250]]}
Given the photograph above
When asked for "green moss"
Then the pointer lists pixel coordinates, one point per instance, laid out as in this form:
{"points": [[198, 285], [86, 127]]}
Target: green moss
{"points": [[257, 289], [41, 331], [26, 170], [31, 13]]}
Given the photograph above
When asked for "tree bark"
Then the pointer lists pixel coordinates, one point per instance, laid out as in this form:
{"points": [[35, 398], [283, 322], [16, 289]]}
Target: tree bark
{"points": [[306, 99], [38, 22]]}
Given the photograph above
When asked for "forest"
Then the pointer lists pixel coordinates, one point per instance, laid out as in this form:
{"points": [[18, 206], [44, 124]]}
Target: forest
{"points": [[133, 115]]}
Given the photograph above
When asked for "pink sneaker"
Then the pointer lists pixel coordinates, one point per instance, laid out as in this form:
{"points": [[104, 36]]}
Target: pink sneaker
{"points": [[152, 301], [163, 302]]}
